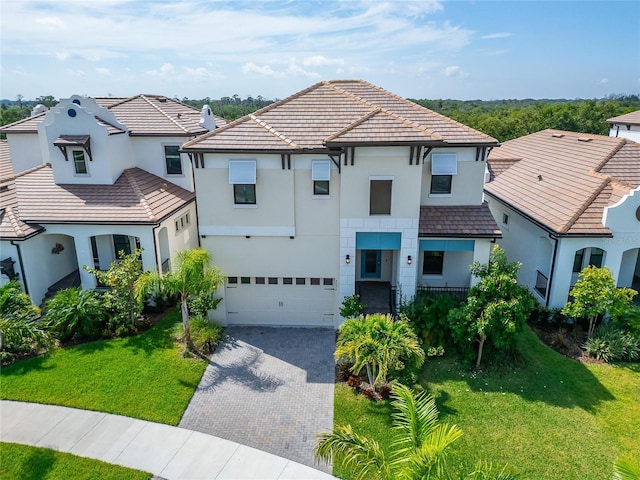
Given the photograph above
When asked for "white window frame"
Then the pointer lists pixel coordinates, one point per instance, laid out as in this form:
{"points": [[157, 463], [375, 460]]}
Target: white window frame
{"points": [[164, 154], [444, 164], [84, 159]]}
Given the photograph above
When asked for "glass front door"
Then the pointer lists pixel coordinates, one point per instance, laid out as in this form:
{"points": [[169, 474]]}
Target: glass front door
{"points": [[370, 264]]}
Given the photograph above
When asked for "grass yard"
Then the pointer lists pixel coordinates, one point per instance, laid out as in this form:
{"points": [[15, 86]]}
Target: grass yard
{"points": [[549, 416], [34, 463], [143, 377]]}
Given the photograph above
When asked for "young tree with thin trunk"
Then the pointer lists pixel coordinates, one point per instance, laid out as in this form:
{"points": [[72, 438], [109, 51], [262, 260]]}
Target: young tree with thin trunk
{"points": [[595, 294], [191, 275], [497, 307]]}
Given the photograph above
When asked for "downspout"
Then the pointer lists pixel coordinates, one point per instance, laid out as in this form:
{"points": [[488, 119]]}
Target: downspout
{"points": [[24, 277], [553, 269], [155, 249], [195, 201]]}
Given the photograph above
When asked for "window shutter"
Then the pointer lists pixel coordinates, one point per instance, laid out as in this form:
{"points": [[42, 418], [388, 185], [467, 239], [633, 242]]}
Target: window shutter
{"points": [[242, 172], [320, 170], [444, 164]]}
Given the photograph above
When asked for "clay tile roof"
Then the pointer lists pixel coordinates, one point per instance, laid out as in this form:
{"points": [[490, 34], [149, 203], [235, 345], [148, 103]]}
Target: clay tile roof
{"points": [[11, 227], [457, 221], [345, 111], [136, 197], [564, 180], [145, 115], [632, 118]]}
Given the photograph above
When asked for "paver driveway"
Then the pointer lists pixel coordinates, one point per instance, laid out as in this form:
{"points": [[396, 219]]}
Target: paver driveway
{"points": [[268, 388]]}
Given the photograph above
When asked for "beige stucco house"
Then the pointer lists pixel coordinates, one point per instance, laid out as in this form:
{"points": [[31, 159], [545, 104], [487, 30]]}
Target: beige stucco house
{"points": [[339, 185], [92, 177], [565, 200]]}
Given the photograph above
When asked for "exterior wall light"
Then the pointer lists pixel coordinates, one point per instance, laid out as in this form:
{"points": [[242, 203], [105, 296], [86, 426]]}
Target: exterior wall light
{"points": [[409, 260], [347, 259]]}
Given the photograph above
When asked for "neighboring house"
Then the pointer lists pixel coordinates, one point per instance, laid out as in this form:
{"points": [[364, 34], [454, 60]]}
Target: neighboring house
{"points": [[625, 126], [92, 177], [566, 200], [339, 185]]}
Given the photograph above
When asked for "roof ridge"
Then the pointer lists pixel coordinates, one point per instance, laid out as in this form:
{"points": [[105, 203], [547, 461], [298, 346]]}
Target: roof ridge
{"points": [[353, 125], [613, 152], [585, 205], [416, 106], [123, 100], [25, 172], [248, 116], [15, 223], [273, 131], [136, 189], [377, 109], [144, 97]]}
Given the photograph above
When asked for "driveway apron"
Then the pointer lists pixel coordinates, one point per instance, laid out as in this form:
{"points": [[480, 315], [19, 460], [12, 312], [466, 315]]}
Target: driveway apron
{"points": [[270, 389]]}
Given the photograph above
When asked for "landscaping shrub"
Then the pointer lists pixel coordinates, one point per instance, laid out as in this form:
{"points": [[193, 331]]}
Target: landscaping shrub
{"points": [[611, 344], [200, 304], [205, 335], [21, 330], [74, 312], [351, 306], [428, 317]]}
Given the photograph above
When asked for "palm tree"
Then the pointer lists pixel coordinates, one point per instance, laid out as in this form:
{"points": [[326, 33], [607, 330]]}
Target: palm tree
{"points": [[419, 451], [379, 344], [191, 275]]}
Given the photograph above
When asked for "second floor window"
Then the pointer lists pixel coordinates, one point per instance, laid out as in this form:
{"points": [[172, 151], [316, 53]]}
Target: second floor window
{"points": [[380, 197], [443, 167], [321, 175], [244, 194], [242, 175], [441, 184], [79, 163], [172, 159]]}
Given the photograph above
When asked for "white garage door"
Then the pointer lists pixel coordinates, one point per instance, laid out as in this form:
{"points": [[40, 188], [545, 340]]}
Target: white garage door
{"points": [[280, 301]]}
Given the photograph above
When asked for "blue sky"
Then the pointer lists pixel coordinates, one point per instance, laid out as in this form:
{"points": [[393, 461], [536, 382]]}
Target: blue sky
{"points": [[419, 48]]}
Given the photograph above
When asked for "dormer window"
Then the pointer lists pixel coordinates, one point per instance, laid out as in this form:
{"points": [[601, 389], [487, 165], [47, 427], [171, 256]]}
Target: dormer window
{"points": [[79, 163]]}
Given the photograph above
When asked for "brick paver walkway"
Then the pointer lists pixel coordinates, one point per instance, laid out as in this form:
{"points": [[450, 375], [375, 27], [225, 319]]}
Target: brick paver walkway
{"points": [[268, 388]]}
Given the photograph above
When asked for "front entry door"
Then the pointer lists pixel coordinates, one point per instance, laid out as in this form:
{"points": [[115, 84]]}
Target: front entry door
{"points": [[370, 264]]}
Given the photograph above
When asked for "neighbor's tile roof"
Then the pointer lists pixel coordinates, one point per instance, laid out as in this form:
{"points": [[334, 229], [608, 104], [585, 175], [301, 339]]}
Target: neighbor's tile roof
{"points": [[564, 180], [144, 115], [632, 118], [457, 221], [334, 113], [11, 227], [137, 196]]}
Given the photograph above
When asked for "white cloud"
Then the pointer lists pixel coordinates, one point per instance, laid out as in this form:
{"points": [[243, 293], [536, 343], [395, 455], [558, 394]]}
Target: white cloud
{"points": [[604, 81], [103, 71], [319, 61], [265, 70], [454, 71], [165, 70], [496, 35], [52, 23]]}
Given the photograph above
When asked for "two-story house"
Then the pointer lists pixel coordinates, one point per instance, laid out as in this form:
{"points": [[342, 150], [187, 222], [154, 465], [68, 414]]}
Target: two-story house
{"points": [[340, 184], [90, 178], [565, 200], [625, 126]]}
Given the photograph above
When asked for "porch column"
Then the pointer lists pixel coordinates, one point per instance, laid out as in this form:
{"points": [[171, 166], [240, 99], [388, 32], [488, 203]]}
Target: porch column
{"points": [[408, 273], [481, 253], [347, 282], [84, 257]]}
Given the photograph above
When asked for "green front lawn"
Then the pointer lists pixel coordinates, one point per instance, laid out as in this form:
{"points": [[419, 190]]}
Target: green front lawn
{"points": [[34, 463], [549, 416], [143, 377]]}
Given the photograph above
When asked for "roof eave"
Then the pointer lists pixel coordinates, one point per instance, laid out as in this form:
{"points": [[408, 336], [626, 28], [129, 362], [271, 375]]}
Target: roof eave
{"points": [[545, 227]]}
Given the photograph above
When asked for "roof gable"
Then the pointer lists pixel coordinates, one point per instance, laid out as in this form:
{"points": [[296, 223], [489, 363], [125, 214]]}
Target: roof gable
{"points": [[564, 180], [343, 111]]}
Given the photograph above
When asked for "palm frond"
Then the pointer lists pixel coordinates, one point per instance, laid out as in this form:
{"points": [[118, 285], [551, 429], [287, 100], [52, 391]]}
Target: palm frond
{"points": [[626, 469], [491, 471], [415, 416], [362, 456]]}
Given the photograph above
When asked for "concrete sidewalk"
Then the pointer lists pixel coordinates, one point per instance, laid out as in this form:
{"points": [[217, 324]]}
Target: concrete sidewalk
{"points": [[169, 452]]}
